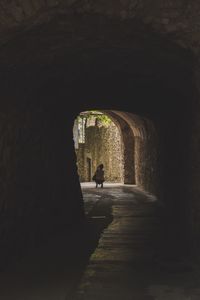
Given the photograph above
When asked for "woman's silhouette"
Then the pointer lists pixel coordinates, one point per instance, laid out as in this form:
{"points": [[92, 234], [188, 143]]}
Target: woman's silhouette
{"points": [[99, 176]]}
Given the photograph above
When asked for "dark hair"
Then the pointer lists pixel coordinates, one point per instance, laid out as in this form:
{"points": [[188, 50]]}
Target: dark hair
{"points": [[100, 166]]}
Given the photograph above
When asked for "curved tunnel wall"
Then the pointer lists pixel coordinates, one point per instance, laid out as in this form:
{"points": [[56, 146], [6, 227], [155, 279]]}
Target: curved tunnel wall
{"points": [[58, 66], [128, 144], [144, 151], [140, 150]]}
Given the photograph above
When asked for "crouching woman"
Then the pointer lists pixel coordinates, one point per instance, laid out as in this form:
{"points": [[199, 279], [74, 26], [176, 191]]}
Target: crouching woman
{"points": [[99, 176]]}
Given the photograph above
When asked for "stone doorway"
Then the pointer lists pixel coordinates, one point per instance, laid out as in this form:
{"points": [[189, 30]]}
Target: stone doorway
{"points": [[89, 169]]}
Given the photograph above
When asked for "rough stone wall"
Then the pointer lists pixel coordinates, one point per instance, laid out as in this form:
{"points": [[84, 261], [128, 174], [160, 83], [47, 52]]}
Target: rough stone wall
{"points": [[128, 149], [102, 145], [178, 19], [81, 162], [129, 156], [140, 139], [168, 16], [146, 165]]}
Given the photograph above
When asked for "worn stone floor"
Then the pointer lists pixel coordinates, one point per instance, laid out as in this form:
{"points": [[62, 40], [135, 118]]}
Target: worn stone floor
{"points": [[115, 255], [127, 263]]}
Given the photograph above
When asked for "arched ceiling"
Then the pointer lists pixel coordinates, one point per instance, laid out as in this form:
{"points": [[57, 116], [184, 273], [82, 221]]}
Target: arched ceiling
{"points": [[123, 46], [32, 31], [180, 17]]}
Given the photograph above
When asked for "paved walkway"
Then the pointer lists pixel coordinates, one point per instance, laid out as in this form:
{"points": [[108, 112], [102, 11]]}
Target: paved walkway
{"points": [[126, 264], [114, 255]]}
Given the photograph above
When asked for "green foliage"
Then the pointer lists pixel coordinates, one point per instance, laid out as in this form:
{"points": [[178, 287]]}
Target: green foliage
{"points": [[104, 119]]}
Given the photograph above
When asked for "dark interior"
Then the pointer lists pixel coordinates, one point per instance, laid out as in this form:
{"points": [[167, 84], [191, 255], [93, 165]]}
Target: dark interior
{"points": [[57, 60]]}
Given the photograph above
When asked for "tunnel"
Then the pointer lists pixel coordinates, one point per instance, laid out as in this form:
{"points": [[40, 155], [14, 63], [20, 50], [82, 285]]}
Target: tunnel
{"points": [[137, 148], [137, 63]]}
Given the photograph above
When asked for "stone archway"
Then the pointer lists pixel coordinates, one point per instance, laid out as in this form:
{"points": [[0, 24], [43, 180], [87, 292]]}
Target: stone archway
{"points": [[139, 150], [98, 139]]}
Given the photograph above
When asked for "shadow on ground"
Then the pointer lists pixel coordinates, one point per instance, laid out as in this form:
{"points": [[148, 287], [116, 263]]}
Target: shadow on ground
{"points": [[53, 270]]}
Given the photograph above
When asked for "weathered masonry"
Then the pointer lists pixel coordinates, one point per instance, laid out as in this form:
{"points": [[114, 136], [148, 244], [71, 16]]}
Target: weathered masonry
{"points": [[123, 147], [99, 142]]}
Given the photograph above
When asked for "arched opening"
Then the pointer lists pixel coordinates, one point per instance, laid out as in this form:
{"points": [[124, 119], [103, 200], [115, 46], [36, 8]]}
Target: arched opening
{"points": [[99, 137], [125, 143], [98, 140]]}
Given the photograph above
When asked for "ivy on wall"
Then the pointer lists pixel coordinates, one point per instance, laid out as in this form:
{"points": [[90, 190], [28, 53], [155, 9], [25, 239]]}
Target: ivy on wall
{"points": [[94, 114]]}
